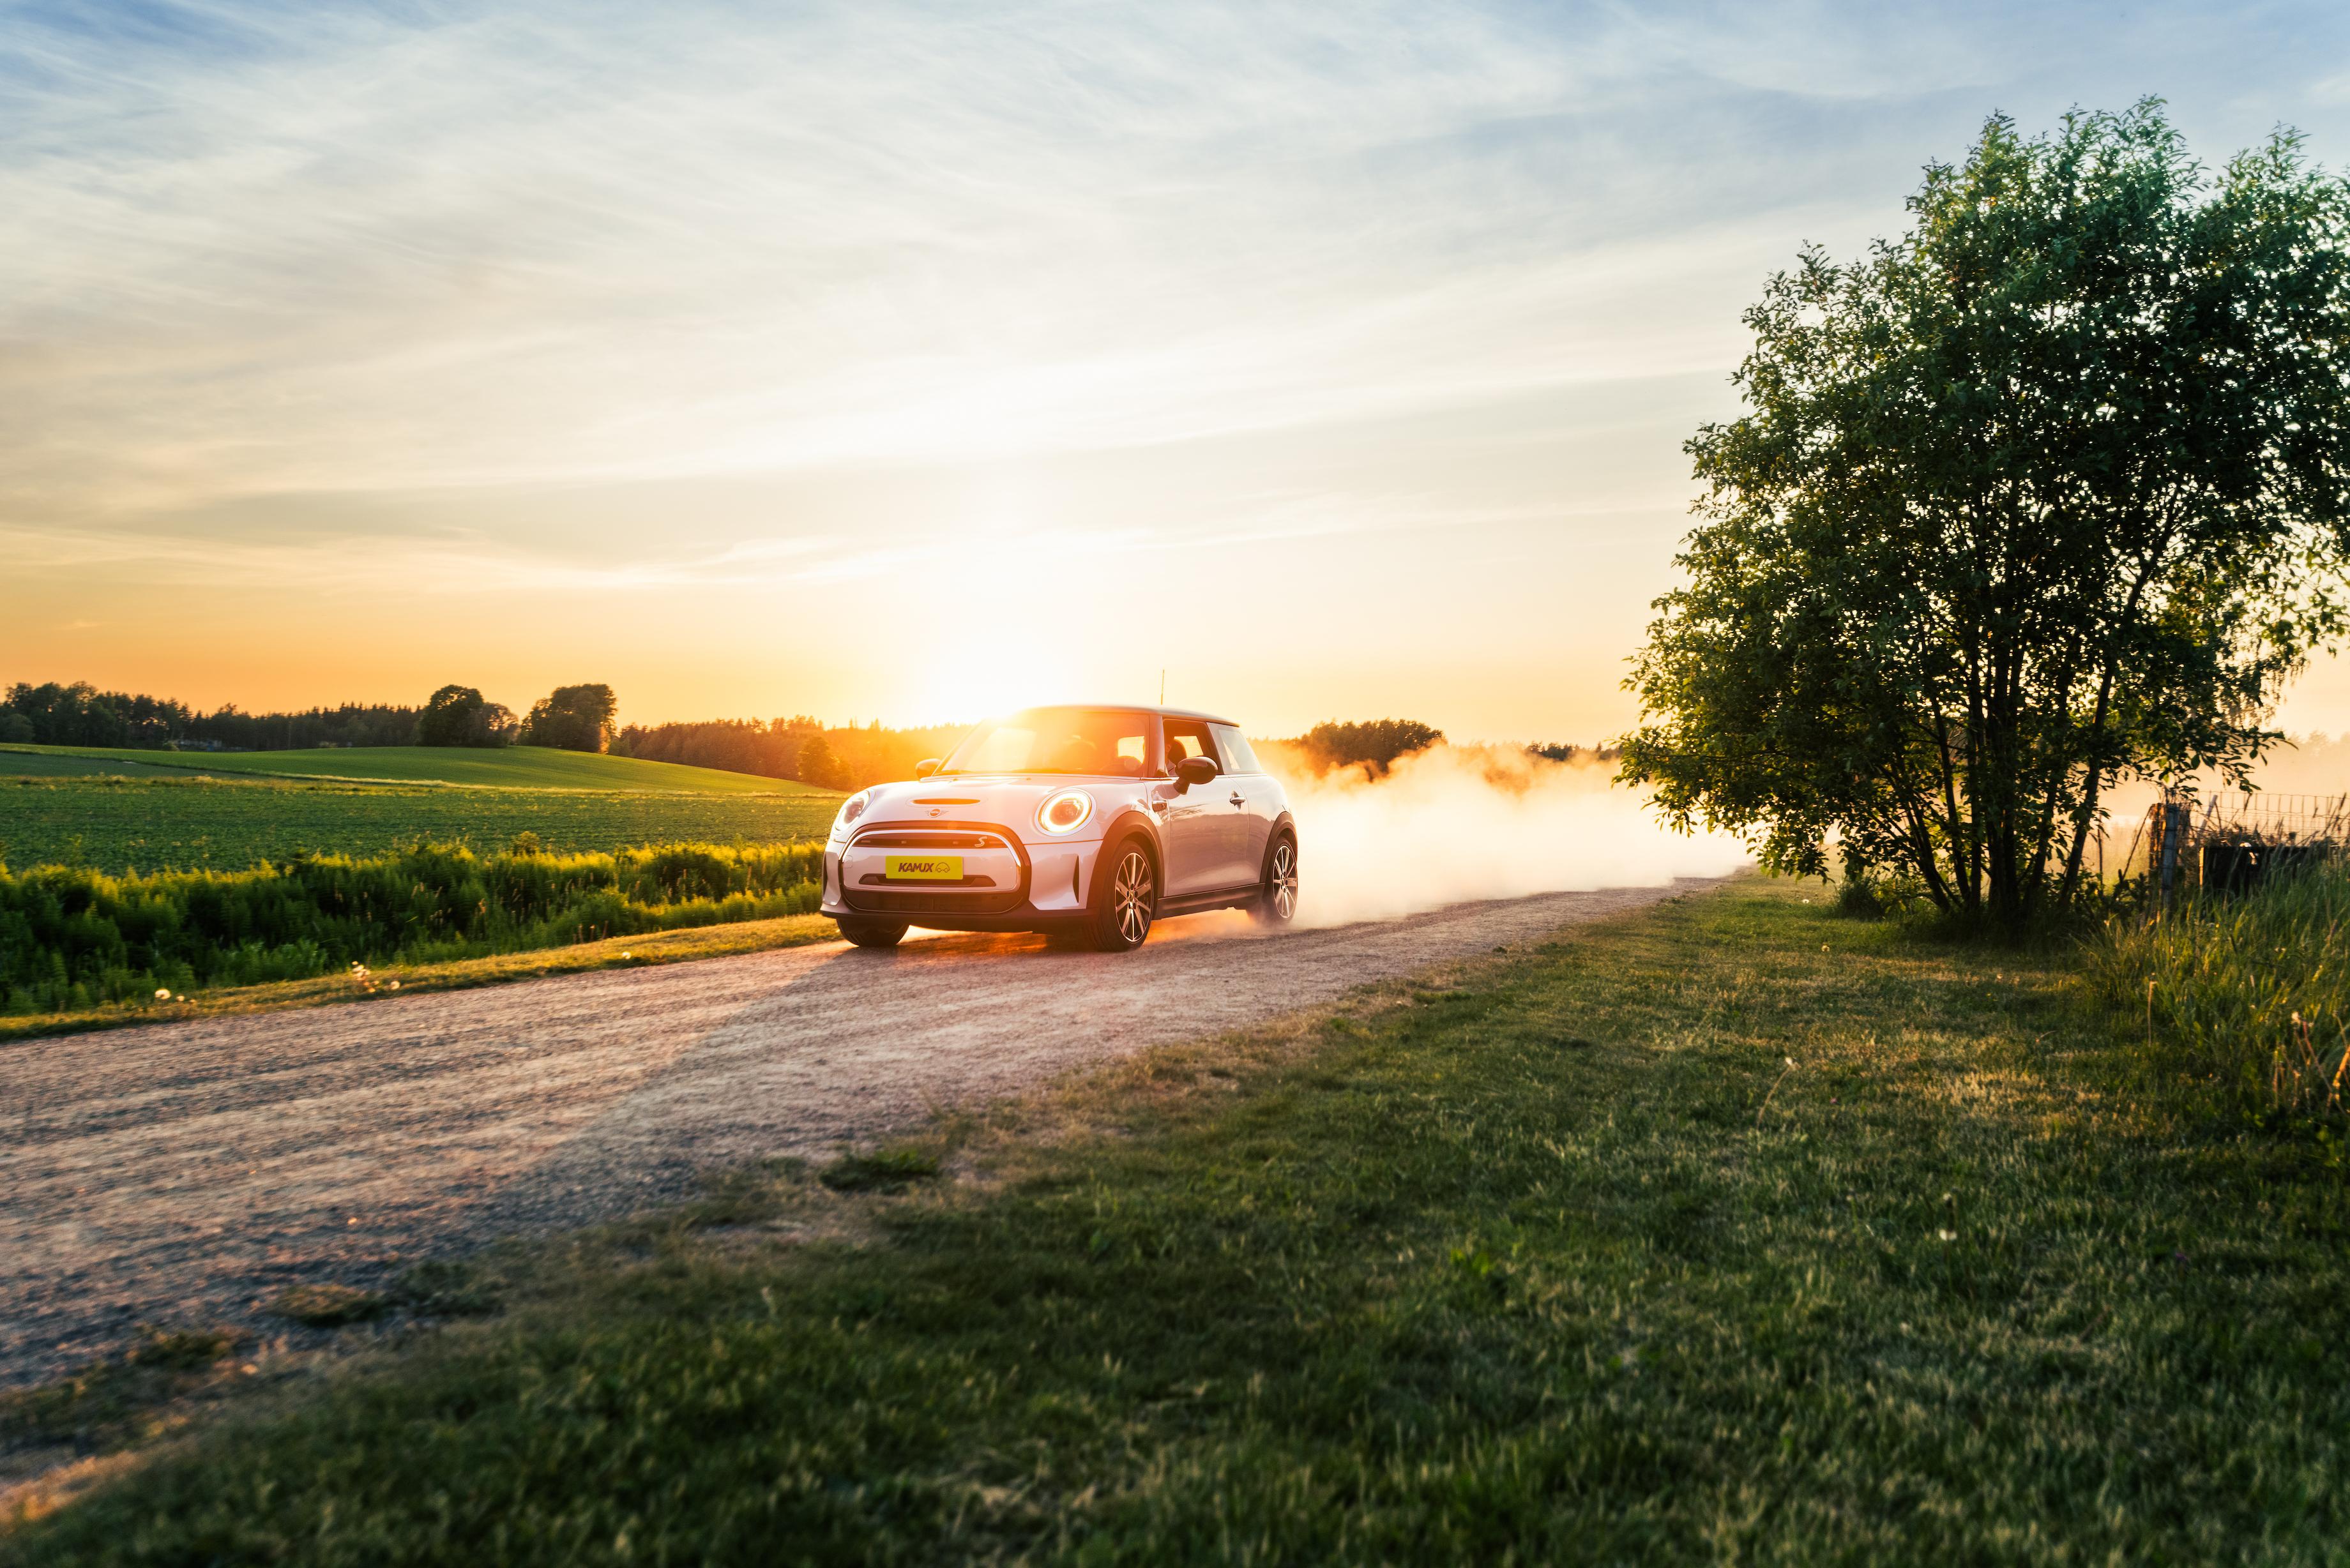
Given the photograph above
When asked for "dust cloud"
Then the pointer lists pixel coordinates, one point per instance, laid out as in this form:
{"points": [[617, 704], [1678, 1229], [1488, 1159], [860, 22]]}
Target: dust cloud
{"points": [[1457, 824]]}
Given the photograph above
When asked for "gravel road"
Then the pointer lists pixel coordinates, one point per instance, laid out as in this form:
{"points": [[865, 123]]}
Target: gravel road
{"points": [[180, 1173]]}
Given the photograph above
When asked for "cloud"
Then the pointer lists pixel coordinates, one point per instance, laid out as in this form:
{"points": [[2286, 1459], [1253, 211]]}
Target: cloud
{"points": [[258, 250]]}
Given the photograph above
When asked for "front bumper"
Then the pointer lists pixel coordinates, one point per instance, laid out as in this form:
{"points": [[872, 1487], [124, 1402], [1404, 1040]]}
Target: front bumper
{"points": [[1008, 883]]}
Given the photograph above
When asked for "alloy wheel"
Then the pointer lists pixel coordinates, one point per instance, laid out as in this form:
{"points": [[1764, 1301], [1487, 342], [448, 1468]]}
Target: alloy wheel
{"points": [[1285, 880], [1130, 896]]}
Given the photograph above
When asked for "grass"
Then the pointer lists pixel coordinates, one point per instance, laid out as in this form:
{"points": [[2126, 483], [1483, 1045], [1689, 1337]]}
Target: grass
{"points": [[615, 952], [507, 767], [118, 825], [1552, 1258], [2246, 997]]}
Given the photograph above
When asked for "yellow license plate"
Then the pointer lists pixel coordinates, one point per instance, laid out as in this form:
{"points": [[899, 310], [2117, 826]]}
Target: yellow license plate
{"points": [[922, 867]]}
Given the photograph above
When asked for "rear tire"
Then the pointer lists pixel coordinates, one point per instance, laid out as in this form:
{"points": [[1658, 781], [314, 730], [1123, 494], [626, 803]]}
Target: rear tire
{"points": [[1276, 903], [1125, 900], [872, 933]]}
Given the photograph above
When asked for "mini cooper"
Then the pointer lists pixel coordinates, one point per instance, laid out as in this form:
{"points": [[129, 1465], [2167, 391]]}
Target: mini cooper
{"points": [[1087, 822]]}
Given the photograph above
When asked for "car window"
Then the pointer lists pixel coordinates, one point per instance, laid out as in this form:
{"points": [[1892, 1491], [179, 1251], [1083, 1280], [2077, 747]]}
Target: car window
{"points": [[1189, 738], [1238, 757], [1101, 742]]}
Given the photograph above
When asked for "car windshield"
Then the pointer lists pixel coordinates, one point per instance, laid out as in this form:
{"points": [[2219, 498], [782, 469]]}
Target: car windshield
{"points": [[1102, 742]]}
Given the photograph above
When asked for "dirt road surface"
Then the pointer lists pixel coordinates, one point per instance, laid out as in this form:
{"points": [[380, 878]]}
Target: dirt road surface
{"points": [[183, 1173]]}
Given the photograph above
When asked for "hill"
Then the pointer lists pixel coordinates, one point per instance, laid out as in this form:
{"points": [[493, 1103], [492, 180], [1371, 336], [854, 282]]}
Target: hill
{"points": [[514, 767]]}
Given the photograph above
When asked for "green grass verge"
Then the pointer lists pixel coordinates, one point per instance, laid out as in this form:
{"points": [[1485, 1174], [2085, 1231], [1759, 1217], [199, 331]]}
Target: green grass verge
{"points": [[508, 767], [122, 825], [2246, 998], [461, 974], [1554, 1258]]}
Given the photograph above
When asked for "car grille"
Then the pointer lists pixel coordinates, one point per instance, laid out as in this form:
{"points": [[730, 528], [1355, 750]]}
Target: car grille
{"points": [[977, 894], [938, 838]]}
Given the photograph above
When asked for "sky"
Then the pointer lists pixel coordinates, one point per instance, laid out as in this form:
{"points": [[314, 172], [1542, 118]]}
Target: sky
{"points": [[909, 362]]}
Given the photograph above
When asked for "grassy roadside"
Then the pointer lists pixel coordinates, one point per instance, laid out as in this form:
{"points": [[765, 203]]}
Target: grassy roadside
{"points": [[1551, 1259], [462, 974]]}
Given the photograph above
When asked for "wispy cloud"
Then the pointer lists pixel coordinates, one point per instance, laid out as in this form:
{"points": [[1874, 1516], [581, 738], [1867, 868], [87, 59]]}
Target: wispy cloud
{"points": [[254, 249]]}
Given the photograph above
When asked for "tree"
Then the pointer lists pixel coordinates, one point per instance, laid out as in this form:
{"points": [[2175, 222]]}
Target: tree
{"points": [[460, 716], [1375, 743], [2047, 492], [572, 719], [817, 764]]}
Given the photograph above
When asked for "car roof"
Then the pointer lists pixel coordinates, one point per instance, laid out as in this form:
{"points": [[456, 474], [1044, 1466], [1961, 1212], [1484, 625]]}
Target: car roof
{"points": [[1139, 708]]}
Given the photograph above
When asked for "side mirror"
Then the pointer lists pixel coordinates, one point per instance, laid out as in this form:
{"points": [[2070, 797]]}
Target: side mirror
{"points": [[1194, 771], [928, 766]]}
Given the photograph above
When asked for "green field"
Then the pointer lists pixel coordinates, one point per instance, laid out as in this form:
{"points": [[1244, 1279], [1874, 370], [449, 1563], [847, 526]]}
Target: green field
{"points": [[26, 762], [1730, 1232], [147, 824], [512, 767]]}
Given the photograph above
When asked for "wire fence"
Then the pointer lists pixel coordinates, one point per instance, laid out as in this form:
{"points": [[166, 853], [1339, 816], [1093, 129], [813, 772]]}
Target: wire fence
{"points": [[2224, 843]]}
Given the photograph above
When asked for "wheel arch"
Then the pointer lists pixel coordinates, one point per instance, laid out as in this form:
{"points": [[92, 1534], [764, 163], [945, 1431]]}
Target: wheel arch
{"points": [[1141, 825]]}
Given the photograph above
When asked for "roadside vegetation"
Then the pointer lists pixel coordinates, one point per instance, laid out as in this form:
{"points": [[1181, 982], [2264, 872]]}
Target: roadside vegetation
{"points": [[2245, 1002], [1735, 1231], [386, 981], [72, 940]]}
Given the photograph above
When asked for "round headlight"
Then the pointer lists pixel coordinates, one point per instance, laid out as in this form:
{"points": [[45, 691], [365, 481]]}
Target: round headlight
{"points": [[1066, 812], [852, 809]]}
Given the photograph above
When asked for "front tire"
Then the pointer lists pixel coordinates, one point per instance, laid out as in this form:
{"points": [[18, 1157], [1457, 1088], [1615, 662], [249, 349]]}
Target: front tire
{"points": [[872, 933], [1125, 900], [1276, 903]]}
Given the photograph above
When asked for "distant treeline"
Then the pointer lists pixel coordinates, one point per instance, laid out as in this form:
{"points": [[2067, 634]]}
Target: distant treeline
{"points": [[795, 748], [571, 718], [1559, 752], [81, 715], [1376, 745], [580, 717]]}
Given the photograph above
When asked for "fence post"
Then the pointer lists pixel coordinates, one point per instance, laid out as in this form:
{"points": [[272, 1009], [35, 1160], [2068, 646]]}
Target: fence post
{"points": [[2173, 828]]}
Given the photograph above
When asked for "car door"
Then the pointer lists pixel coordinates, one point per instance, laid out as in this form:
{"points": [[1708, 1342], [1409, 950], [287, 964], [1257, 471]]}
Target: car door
{"points": [[1255, 802], [1192, 824]]}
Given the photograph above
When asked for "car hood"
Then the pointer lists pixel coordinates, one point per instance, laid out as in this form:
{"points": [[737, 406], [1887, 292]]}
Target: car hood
{"points": [[1006, 800]]}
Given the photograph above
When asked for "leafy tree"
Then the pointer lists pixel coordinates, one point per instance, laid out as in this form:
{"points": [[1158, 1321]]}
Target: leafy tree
{"points": [[817, 764], [1375, 745], [573, 718], [2046, 493], [461, 716]]}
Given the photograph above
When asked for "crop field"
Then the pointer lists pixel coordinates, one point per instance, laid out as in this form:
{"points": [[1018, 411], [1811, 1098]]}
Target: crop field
{"points": [[514, 767], [118, 824]]}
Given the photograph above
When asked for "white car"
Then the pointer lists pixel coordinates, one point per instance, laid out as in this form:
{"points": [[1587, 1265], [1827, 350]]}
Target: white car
{"points": [[1090, 821]]}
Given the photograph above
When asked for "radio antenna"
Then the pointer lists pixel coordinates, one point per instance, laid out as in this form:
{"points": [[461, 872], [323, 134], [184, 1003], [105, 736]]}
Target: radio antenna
{"points": [[1162, 688]]}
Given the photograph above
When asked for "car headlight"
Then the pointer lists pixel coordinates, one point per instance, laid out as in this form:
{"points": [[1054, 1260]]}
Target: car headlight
{"points": [[852, 809], [1066, 812]]}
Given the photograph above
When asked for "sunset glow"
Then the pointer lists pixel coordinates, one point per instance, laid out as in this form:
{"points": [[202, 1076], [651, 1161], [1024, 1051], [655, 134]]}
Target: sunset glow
{"points": [[877, 362]]}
